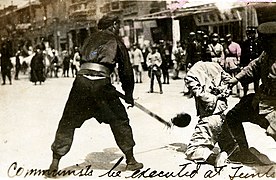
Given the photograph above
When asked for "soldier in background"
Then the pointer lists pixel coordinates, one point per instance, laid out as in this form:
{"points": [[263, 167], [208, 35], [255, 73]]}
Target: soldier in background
{"points": [[179, 58], [206, 53], [251, 50], [216, 49], [6, 64], [165, 52], [17, 64], [232, 53], [194, 48]]}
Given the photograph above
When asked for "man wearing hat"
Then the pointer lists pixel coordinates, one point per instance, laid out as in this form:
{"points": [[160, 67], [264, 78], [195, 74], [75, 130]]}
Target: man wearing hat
{"points": [[194, 48], [232, 52], [232, 55], [216, 49], [260, 107], [250, 50], [93, 95]]}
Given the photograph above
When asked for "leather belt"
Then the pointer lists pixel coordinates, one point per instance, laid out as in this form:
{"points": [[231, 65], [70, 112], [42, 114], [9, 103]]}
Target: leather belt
{"points": [[95, 67]]}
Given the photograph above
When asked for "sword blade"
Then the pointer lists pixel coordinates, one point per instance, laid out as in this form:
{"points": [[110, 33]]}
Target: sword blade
{"points": [[144, 109]]}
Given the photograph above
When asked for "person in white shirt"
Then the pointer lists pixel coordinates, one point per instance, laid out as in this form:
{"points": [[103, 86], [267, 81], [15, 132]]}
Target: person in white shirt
{"points": [[154, 62], [136, 60]]}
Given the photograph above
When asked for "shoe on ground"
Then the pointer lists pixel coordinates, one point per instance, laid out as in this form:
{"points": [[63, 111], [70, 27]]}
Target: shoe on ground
{"points": [[221, 159], [134, 166]]}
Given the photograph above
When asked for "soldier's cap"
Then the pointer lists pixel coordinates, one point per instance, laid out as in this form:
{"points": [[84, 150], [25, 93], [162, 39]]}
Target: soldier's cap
{"points": [[251, 29], [191, 33], [228, 36], [199, 32], [154, 46], [215, 36], [268, 28], [107, 21]]}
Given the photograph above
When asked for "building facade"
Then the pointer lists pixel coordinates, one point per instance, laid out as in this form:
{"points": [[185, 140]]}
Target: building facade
{"points": [[66, 23]]}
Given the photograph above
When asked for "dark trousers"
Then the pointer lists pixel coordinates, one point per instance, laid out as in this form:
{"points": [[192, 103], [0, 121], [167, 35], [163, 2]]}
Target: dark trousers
{"points": [[87, 99], [17, 69], [6, 72], [74, 70], [232, 130], [166, 77], [156, 74]]}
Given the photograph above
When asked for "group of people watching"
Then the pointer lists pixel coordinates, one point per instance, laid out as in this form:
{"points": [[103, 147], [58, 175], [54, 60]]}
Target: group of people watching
{"points": [[211, 81], [231, 55]]}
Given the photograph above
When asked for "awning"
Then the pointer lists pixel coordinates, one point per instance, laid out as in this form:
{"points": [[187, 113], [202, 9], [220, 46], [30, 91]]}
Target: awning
{"points": [[153, 16], [203, 14], [216, 17]]}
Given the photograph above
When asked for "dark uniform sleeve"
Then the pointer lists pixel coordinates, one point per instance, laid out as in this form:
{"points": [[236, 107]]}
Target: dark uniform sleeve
{"points": [[251, 72], [125, 69]]}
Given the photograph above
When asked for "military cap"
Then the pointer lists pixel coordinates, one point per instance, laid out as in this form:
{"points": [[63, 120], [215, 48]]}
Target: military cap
{"points": [[228, 36], [199, 32], [215, 36], [154, 46], [251, 29], [191, 33], [268, 28], [107, 21]]}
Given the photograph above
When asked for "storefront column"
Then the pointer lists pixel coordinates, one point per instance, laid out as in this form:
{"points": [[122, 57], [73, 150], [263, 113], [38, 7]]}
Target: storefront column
{"points": [[175, 31]]}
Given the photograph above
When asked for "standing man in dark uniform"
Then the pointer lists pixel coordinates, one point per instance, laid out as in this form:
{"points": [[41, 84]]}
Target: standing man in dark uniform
{"points": [[93, 95], [258, 108], [6, 64], [194, 49], [250, 50], [17, 64]]}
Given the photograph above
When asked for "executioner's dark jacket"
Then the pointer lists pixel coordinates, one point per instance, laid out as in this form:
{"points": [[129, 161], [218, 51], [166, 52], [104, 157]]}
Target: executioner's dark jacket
{"points": [[105, 48]]}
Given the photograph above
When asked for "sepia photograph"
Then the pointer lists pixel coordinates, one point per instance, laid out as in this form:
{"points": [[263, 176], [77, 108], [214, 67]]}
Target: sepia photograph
{"points": [[138, 89]]}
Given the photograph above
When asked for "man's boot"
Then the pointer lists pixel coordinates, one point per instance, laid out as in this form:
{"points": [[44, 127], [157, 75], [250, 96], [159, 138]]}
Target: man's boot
{"points": [[132, 164]]}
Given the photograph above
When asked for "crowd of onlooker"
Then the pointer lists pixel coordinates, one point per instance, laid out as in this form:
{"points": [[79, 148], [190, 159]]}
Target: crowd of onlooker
{"points": [[164, 57], [163, 60]]}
